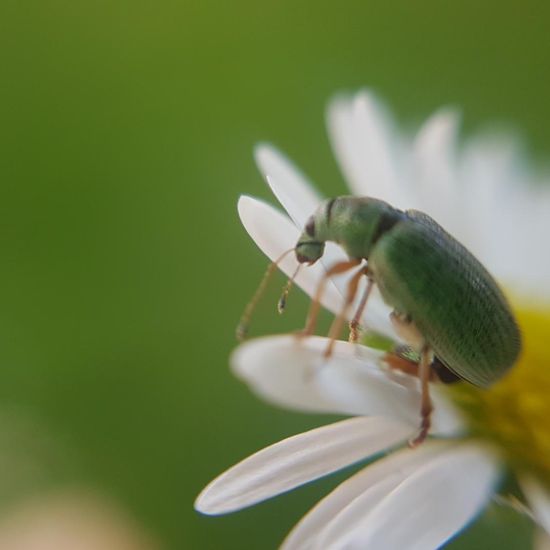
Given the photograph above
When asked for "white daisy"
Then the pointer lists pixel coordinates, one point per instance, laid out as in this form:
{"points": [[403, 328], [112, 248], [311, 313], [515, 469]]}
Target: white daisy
{"points": [[410, 498]]}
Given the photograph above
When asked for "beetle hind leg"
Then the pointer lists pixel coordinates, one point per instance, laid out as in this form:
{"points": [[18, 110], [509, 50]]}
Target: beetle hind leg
{"points": [[405, 327], [426, 406]]}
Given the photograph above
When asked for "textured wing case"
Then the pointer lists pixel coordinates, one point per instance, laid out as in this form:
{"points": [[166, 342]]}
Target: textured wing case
{"points": [[423, 271]]}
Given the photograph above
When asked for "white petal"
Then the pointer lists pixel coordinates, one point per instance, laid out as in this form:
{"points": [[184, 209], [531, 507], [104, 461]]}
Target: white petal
{"points": [[355, 381], [436, 191], [361, 136], [538, 499], [279, 370], [298, 460], [372, 483], [292, 373], [487, 167], [288, 184], [369, 391], [274, 233], [427, 508]]}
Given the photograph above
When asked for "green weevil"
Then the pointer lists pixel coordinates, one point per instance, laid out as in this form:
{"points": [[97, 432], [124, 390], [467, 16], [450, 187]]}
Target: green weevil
{"points": [[446, 305]]}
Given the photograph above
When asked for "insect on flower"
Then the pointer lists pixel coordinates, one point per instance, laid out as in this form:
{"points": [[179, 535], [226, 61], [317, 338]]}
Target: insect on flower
{"points": [[446, 306]]}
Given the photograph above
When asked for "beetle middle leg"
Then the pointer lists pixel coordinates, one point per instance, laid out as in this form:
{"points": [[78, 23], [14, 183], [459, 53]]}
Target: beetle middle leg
{"points": [[355, 323], [400, 359], [397, 360], [336, 269], [338, 323]]}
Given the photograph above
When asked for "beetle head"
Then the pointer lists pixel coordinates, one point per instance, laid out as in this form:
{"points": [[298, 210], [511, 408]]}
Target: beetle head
{"points": [[311, 244]]}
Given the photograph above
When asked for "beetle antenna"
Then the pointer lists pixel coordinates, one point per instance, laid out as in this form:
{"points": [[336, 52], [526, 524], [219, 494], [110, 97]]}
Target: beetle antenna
{"points": [[242, 327], [281, 304]]}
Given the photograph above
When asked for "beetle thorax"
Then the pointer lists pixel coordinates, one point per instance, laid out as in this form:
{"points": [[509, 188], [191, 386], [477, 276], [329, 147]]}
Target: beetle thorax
{"points": [[356, 223]]}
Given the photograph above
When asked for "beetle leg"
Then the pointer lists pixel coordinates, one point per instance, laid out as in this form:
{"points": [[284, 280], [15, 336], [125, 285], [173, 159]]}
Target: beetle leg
{"points": [[426, 406], [340, 267], [338, 323], [398, 362], [355, 322]]}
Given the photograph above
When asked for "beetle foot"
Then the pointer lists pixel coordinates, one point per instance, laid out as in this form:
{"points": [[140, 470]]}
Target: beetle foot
{"points": [[419, 438], [355, 330], [425, 425], [301, 334]]}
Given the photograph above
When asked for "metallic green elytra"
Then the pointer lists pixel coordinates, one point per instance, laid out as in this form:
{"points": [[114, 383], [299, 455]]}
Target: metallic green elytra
{"points": [[430, 279]]}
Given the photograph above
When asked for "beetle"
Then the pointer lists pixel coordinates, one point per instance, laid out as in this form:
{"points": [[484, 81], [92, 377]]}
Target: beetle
{"points": [[446, 305]]}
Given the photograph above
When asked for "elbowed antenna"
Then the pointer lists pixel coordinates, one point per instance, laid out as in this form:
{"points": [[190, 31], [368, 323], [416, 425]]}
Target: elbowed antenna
{"points": [[242, 327], [281, 304]]}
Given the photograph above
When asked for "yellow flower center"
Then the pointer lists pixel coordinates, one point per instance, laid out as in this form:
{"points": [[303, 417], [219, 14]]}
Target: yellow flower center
{"points": [[515, 412]]}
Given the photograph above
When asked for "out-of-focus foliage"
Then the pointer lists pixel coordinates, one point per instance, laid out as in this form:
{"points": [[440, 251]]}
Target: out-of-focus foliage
{"points": [[126, 131]]}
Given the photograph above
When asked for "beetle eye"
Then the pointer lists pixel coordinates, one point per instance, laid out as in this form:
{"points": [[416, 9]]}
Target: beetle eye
{"points": [[310, 227]]}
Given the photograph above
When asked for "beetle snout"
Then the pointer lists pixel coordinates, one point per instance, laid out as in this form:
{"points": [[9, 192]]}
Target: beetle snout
{"points": [[309, 251]]}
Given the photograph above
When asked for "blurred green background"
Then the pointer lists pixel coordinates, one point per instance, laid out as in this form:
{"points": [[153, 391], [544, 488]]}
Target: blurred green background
{"points": [[126, 133]]}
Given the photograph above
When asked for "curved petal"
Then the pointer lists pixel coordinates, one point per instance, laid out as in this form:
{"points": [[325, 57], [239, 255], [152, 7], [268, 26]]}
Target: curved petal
{"points": [[539, 500], [488, 171], [298, 460], [364, 144], [371, 484], [281, 370], [291, 372], [434, 170], [289, 185], [430, 506], [376, 391]]}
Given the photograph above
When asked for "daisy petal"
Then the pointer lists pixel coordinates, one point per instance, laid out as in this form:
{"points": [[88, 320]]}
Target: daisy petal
{"points": [[367, 391], [361, 136], [278, 370], [434, 167], [428, 507], [538, 499], [371, 484], [298, 460], [288, 184], [292, 373]]}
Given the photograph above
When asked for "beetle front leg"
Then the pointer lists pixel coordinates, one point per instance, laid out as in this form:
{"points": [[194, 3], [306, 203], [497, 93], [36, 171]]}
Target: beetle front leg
{"points": [[426, 406], [340, 267], [338, 323]]}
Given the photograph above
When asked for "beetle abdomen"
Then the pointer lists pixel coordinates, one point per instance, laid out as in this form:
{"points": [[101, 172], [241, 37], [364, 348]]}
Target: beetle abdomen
{"points": [[455, 303]]}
